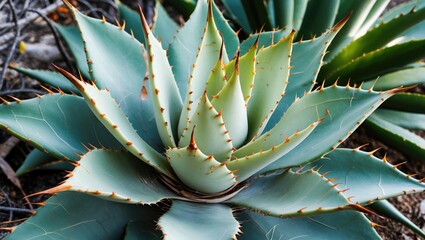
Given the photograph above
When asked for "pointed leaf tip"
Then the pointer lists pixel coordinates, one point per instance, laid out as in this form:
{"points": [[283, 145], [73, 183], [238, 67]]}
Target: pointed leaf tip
{"points": [[70, 77], [145, 25], [341, 23]]}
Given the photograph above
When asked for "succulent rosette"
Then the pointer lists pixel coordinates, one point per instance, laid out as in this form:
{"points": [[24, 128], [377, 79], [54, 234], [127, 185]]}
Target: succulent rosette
{"points": [[182, 143]]}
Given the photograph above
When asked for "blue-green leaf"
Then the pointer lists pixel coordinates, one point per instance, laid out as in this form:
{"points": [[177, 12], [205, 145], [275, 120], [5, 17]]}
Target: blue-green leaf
{"points": [[72, 215], [291, 194], [366, 177], [56, 124], [348, 225], [115, 176], [54, 79], [121, 69], [186, 220]]}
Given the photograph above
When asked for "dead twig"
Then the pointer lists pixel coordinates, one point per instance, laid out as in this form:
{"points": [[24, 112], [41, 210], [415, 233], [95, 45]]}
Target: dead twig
{"points": [[5, 149]]}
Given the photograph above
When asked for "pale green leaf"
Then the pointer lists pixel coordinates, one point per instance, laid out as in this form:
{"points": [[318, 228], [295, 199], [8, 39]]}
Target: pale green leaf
{"points": [[272, 73], [199, 171], [166, 97], [253, 161], [230, 103], [116, 176], [210, 134]]}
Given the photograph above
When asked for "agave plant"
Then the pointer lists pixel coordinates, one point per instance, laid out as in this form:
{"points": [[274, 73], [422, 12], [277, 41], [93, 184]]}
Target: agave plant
{"points": [[183, 152], [366, 50]]}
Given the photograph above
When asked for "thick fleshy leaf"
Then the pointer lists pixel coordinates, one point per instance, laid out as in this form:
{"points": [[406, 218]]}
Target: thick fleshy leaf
{"points": [[300, 7], [306, 60], [401, 9], [167, 100], [291, 194], [111, 64], [53, 79], [376, 38], [253, 161], [211, 134], [337, 225], [358, 12], [365, 177], [37, 159], [271, 78], [385, 208], [217, 78], [283, 13], [406, 77], [319, 17], [414, 121], [132, 21], [407, 102], [230, 103], [183, 50], [257, 15], [115, 176], [234, 9], [142, 229], [72, 37], [209, 52], [164, 28], [70, 215], [247, 62], [186, 220], [342, 108], [230, 38], [110, 115], [397, 137], [265, 39], [57, 124], [199, 171], [376, 11], [373, 64]]}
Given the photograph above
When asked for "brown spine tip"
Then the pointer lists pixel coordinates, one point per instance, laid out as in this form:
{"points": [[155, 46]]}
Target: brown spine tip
{"points": [[77, 83], [237, 62], [4, 101], [341, 23], [145, 25], [192, 144], [52, 191]]}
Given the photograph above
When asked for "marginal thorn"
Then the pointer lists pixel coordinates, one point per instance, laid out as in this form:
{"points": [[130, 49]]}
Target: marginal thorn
{"points": [[15, 98], [46, 89], [77, 83], [360, 208], [373, 151], [192, 144], [359, 147], [52, 191], [4, 101], [398, 165]]}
